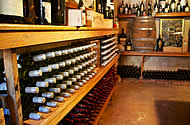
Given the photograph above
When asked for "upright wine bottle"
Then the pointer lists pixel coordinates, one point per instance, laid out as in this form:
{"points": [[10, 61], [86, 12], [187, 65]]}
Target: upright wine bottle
{"points": [[121, 8], [149, 8], [58, 12], [187, 6], [178, 8], [122, 37], [128, 46], [173, 6], [82, 8], [156, 7], [126, 8], [141, 8], [159, 44], [47, 6]]}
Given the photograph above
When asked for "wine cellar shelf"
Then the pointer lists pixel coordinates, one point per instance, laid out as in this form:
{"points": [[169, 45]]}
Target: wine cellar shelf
{"points": [[158, 15], [14, 35], [58, 113], [135, 53]]}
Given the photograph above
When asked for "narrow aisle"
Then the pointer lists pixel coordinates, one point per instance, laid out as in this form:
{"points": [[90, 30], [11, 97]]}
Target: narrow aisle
{"points": [[138, 102]]}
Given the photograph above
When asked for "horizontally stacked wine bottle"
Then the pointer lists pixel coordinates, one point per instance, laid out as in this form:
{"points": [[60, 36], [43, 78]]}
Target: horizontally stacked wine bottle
{"points": [[108, 50], [48, 76], [88, 109], [3, 86]]}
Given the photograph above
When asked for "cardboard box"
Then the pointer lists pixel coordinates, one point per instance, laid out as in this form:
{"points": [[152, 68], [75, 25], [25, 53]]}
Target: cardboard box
{"points": [[172, 49], [74, 17]]}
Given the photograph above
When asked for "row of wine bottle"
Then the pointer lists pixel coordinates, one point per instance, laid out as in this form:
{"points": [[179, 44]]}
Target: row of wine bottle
{"points": [[180, 74], [108, 50], [163, 6], [129, 71], [86, 111], [49, 76]]}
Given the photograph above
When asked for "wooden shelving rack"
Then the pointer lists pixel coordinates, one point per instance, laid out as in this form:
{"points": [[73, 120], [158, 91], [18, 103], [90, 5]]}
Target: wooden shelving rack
{"points": [[15, 37]]}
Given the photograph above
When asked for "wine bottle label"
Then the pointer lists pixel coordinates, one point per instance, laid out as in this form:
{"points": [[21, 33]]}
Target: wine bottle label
{"points": [[46, 69], [83, 47], [93, 74], [71, 71], [92, 68], [85, 72], [59, 99], [50, 80], [65, 94], [173, 6], [31, 90], [166, 10], [83, 18], [79, 83], [178, 8], [64, 52], [62, 64], [76, 69], [77, 77], [81, 73], [186, 9], [83, 81], [82, 57], [73, 79], [129, 48], [47, 6], [48, 94], [58, 77], [86, 55], [90, 76], [75, 49], [52, 104], [55, 90], [73, 61], [89, 70], [70, 91], [80, 48], [50, 55], [121, 10], [54, 66], [42, 84], [58, 53], [69, 83], [68, 62], [80, 66], [70, 50], [44, 109], [90, 61], [87, 78], [40, 57], [35, 116], [35, 73], [65, 74], [38, 100], [61, 86], [76, 87], [84, 65], [77, 58]]}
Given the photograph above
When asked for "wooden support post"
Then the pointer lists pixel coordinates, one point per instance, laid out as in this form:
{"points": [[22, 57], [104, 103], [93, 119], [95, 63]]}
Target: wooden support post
{"points": [[11, 73], [142, 67], [2, 118]]}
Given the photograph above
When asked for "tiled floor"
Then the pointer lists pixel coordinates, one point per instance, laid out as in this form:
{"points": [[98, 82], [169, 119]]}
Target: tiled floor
{"points": [[147, 103]]}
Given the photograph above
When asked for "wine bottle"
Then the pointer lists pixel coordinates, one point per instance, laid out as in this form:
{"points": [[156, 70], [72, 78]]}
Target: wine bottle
{"points": [[159, 44], [149, 8], [128, 46], [130, 10], [121, 8], [47, 6], [187, 6], [156, 7], [141, 8], [178, 8], [122, 37], [173, 6], [126, 9], [58, 13], [82, 8]]}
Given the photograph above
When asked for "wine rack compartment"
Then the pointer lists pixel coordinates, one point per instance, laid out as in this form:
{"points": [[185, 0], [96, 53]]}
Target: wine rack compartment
{"points": [[89, 108], [179, 75], [129, 71], [108, 50], [48, 77]]}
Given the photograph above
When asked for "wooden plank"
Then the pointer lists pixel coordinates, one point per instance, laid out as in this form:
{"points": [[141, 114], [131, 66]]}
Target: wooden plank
{"points": [[162, 15], [100, 114], [57, 114], [142, 67], [123, 16], [22, 39], [153, 53], [26, 27], [2, 118], [11, 73]]}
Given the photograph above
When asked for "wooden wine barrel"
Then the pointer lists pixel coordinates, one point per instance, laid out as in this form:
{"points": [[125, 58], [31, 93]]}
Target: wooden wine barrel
{"points": [[143, 33]]}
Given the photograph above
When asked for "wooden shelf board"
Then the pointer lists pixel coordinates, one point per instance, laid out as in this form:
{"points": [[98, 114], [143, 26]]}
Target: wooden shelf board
{"points": [[167, 54], [35, 36], [105, 104], [71, 4], [182, 14], [58, 113], [122, 16]]}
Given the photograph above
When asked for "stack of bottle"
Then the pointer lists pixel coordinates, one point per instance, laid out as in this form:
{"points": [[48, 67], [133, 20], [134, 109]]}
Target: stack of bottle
{"points": [[129, 71], [180, 74], [108, 50], [86, 111], [47, 77]]}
